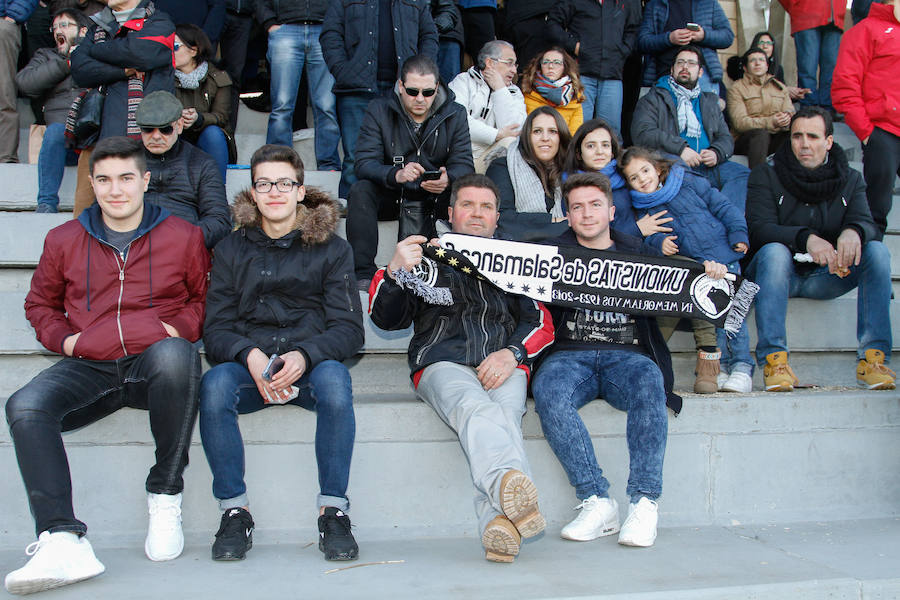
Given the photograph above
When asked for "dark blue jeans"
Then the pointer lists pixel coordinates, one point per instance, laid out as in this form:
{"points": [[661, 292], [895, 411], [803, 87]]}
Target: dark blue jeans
{"points": [[628, 381], [163, 380], [228, 390], [817, 50], [351, 109], [212, 140]]}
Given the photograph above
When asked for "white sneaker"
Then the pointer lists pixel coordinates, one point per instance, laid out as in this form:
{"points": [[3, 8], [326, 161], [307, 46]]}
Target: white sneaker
{"points": [[738, 382], [57, 559], [598, 517], [640, 526], [165, 539], [721, 378]]}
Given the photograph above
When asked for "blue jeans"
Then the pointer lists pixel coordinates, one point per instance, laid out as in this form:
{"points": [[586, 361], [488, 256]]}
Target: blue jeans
{"points": [[817, 50], [736, 350], [730, 178], [449, 52], [212, 141], [603, 100], [773, 269], [290, 46], [228, 390], [52, 160], [351, 110], [628, 381]]}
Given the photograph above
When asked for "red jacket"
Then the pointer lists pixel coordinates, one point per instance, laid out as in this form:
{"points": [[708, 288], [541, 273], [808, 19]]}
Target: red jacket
{"points": [[864, 86], [806, 14], [82, 284]]}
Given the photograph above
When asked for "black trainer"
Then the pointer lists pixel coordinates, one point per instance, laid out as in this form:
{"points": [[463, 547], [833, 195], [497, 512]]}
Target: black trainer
{"points": [[335, 539], [235, 535]]}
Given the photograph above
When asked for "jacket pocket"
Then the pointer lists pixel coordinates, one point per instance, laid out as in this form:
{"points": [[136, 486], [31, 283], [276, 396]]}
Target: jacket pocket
{"points": [[434, 339], [99, 341]]}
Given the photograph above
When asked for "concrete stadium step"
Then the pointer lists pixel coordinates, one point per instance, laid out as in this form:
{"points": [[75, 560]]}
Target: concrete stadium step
{"points": [[784, 561], [754, 459]]}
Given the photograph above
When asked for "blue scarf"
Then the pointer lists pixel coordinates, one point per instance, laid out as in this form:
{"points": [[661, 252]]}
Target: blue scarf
{"points": [[615, 178], [664, 194]]}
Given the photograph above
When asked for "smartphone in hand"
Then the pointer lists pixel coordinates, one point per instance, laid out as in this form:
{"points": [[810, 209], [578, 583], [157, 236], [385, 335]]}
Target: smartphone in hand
{"points": [[275, 364], [431, 175]]}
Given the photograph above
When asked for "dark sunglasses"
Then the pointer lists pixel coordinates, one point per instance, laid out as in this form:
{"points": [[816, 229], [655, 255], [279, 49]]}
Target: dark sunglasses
{"points": [[428, 93], [165, 130]]}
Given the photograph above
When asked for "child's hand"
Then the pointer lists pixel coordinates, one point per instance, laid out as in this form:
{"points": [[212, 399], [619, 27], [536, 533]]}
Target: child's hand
{"points": [[714, 269], [669, 247], [741, 247]]}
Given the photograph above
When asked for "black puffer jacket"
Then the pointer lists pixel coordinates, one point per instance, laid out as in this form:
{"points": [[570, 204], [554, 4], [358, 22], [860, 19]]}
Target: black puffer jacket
{"points": [[387, 132], [607, 32], [447, 20], [350, 39], [144, 43], [294, 293], [241, 7], [186, 182], [47, 76], [278, 12]]}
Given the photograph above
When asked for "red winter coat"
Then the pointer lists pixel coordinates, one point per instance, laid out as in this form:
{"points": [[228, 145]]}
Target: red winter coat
{"points": [[78, 287], [806, 14], [864, 85]]}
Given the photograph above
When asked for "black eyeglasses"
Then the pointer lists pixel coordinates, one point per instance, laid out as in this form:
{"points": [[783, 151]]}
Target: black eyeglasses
{"points": [[264, 186], [428, 93], [165, 130]]}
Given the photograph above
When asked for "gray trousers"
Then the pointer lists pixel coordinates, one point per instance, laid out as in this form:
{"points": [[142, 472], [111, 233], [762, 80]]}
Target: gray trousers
{"points": [[488, 423], [10, 43]]}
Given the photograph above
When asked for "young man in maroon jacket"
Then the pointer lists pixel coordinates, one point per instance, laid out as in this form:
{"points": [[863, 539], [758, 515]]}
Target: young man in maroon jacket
{"points": [[120, 293]]}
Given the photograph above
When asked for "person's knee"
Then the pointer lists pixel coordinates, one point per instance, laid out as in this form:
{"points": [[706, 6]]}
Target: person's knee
{"points": [[332, 387], [875, 255], [773, 258], [217, 388], [25, 404], [174, 358]]}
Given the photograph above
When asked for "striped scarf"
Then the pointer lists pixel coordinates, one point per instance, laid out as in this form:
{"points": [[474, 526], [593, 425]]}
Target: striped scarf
{"points": [[557, 93], [687, 120]]}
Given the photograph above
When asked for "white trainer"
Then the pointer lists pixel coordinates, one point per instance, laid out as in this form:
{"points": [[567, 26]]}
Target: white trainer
{"points": [[165, 539], [721, 378], [640, 526], [598, 517], [57, 559], [738, 382]]}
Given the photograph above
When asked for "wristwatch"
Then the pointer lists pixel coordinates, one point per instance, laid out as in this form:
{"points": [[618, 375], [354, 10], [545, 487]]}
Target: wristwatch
{"points": [[517, 353]]}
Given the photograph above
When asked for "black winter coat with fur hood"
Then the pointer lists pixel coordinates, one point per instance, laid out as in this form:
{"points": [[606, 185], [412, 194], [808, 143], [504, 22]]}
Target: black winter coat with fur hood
{"points": [[297, 292]]}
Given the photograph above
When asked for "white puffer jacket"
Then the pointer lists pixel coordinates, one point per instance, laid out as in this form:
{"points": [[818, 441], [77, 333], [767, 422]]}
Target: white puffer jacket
{"points": [[489, 111]]}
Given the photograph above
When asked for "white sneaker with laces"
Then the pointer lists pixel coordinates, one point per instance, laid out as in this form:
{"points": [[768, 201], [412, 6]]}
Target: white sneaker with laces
{"points": [[165, 539], [640, 526], [721, 378], [57, 559], [738, 382], [598, 517]]}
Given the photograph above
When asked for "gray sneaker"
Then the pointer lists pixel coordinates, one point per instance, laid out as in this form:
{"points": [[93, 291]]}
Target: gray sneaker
{"points": [[43, 207]]}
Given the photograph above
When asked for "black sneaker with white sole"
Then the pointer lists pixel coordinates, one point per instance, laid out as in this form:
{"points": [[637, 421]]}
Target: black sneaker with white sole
{"points": [[335, 538], [235, 535]]}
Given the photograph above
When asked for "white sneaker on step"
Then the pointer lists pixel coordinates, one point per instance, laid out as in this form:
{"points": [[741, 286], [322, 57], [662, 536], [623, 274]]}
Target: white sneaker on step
{"points": [[721, 378], [640, 526], [738, 382], [165, 539], [57, 559], [598, 517]]}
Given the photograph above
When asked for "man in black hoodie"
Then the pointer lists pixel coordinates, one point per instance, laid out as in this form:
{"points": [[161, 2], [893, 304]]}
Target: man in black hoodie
{"points": [[411, 147]]}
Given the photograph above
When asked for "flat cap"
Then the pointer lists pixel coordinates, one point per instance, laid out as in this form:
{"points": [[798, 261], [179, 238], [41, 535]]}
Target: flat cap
{"points": [[158, 109]]}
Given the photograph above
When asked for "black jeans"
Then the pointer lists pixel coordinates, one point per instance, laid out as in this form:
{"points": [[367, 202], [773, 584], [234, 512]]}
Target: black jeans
{"points": [[233, 47], [367, 204], [881, 164], [757, 144], [164, 379], [478, 27]]}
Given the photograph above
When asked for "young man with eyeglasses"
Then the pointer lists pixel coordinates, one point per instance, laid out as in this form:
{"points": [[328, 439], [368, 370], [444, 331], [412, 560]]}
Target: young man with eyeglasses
{"points": [[412, 146], [281, 314], [120, 293], [495, 105], [184, 179]]}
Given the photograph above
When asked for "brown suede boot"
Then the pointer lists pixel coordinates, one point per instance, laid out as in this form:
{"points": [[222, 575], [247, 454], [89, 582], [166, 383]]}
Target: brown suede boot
{"points": [[707, 372]]}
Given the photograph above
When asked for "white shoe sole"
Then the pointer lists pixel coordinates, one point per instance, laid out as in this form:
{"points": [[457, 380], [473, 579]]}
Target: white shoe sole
{"points": [[607, 529], [30, 586], [162, 558], [884, 385], [637, 543]]}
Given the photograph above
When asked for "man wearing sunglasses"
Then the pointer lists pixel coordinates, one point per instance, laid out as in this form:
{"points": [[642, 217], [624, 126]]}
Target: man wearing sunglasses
{"points": [[184, 179], [411, 147]]}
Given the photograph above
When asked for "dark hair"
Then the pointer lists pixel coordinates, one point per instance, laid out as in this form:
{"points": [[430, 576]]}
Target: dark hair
{"points": [[275, 153], [745, 58], [582, 180], [420, 64], [773, 61], [197, 39], [474, 180], [661, 164], [570, 68], [811, 112], [119, 147], [548, 174], [73, 13], [692, 49], [574, 159]]}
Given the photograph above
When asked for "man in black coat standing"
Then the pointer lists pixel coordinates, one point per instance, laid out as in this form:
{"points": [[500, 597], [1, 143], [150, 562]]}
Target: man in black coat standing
{"points": [[411, 147]]}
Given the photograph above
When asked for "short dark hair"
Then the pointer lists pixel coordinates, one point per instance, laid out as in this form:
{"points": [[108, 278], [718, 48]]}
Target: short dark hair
{"points": [[811, 112], [73, 13], [587, 179], [197, 39], [474, 180], [573, 155], [275, 153], [119, 147], [745, 58], [420, 64], [693, 49]]}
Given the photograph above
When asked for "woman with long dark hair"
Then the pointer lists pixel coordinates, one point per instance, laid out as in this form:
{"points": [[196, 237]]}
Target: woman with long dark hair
{"points": [[551, 79]]}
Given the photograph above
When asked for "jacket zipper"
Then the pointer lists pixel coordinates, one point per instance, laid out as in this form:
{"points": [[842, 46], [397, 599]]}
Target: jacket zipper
{"points": [[482, 320], [434, 340], [124, 258], [347, 291]]}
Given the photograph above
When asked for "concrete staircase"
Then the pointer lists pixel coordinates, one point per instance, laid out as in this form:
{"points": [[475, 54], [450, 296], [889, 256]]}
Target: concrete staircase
{"points": [[776, 496]]}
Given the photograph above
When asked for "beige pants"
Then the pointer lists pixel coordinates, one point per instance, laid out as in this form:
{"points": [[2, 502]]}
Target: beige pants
{"points": [[10, 44], [84, 193]]}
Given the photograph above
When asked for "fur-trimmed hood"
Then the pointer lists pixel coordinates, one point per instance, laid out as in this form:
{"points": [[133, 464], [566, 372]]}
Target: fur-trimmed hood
{"points": [[317, 215]]}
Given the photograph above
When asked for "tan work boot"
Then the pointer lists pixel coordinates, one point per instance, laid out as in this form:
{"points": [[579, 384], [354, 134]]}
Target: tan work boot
{"points": [[778, 374], [707, 372], [501, 540], [872, 373], [519, 502]]}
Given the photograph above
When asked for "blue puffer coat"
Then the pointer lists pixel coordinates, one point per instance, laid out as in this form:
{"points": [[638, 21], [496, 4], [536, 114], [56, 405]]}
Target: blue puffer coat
{"points": [[19, 10]]}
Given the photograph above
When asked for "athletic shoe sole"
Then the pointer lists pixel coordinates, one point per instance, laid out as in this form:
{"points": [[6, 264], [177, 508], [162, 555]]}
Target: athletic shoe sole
{"points": [[780, 388], [882, 385], [519, 502], [351, 555], [229, 556], [31, 586], [609, 528]]}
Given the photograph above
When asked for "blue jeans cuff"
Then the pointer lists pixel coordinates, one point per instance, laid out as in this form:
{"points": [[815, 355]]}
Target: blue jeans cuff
{"points": [[342, 504], [236, 502]]}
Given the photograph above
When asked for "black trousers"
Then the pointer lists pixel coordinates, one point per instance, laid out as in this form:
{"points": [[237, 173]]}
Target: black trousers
{"points": [[757, 144], [163, 379], [881, 165], [233, 48], [530, 37], [478, 28]]}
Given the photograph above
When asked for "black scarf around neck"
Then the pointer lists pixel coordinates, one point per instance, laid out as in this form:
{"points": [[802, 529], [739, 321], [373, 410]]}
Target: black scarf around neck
{"points": [[812, 186]]}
